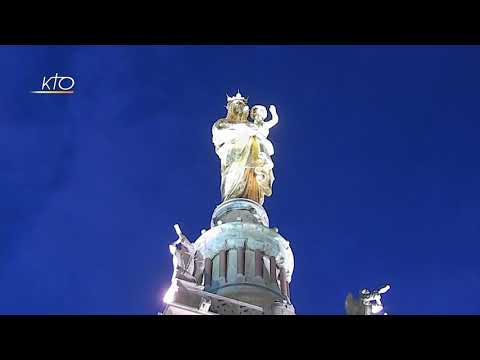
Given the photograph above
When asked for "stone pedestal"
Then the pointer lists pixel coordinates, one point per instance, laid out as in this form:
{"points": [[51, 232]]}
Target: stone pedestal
{"points": [[247, 265], [250, 262]]}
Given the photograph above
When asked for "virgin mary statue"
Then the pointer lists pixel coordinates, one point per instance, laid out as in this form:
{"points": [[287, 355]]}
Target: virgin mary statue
{"points": [[244, 150]]}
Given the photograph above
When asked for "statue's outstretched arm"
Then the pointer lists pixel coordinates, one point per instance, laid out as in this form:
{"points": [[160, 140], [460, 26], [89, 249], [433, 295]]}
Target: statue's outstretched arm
{"points": [[274, 120], [384, 289]]}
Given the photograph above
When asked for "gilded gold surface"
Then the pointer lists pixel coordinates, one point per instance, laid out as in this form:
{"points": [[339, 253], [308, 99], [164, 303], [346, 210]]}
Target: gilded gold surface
{"points": [[244, 150]]}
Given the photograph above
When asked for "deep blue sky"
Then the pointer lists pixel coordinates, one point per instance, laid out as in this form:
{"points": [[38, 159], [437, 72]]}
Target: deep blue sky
{"points": [[376, 165]]}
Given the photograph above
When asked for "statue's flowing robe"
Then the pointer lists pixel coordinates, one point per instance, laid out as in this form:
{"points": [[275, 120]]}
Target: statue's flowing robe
{"points": [[246, 165]]}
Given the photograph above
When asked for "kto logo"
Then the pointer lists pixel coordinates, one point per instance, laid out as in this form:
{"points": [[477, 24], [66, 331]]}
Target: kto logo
{"points": [[56, 85]]}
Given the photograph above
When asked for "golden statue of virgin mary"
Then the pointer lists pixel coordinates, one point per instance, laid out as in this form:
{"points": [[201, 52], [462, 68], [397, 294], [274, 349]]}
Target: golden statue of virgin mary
{"points": [[244, 150]]}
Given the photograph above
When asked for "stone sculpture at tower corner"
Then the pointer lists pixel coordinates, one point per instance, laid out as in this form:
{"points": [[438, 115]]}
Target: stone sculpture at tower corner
{"points": [[369, 302]]}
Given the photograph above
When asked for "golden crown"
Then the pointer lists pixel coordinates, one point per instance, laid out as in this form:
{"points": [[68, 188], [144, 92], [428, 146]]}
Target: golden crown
{"points": [[237, 97]]}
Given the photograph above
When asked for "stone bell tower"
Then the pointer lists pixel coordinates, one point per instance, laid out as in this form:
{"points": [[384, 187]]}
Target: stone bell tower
{"points": [[241, 266]]}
